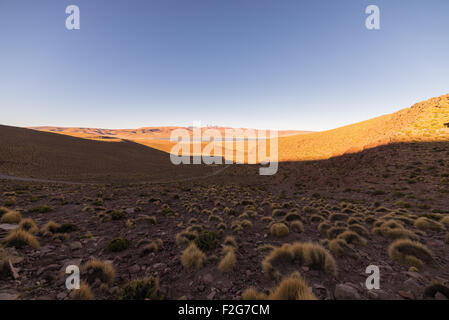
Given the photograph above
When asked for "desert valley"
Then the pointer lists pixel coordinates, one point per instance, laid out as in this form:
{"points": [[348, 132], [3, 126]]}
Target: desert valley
{"points": [[139, 227]]}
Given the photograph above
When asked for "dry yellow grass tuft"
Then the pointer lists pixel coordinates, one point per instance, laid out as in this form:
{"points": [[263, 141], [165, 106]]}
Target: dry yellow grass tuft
{"points": [[192, 257], [97, 269], [20, 238], [227, 263], [410, 253], [297, 226], [292, 288], [424, 223], [83, 293], [309, 254], [351, 237], [12, 217], [51, 227], [279, 230], [29, 225], [253, 294]]}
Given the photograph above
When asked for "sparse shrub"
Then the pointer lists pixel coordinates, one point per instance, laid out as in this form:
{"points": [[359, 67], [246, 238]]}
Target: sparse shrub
{"points": [[207, 240], [352, 238], [83, 293], [279, 230], [192, 257], [41, 209], [97, 269], [227, 263], [141, 289], [410, 253], [118, 244], [297, 226], [312, 255], [11, 217], [267, 219], [292, 288], [424, 223], [20, 238]]}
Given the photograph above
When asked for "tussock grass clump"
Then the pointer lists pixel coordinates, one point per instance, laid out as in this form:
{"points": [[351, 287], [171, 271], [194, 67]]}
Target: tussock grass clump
{"points": [[351, 237], [293, 216], [118, 245], [97, 269], [11, 217], [267, 219], [424, 223], [279, 230], [410, 253], [362, 231], [246, 223], [192, 257], [185, 237], [352, 221], [207, 240], [117, 215], [338, 217], [29, 225], [141, 289], [316, 218], [340, 247], [50, 227], [227, 263], [146, 219], [297, 226], [230, 241], [396, 233], [67, 228], [152, 246], [83, 293], [323, 227], [333, 232], [20, 238], [278, 213], [41, 209], [445, 220], [292, 288], [297, 254], [253, 294]]}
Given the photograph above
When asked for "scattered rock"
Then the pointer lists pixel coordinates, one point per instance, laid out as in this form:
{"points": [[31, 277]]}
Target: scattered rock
{"points": [[346, 292], [208, 279], [9, 295], [406, 294]]}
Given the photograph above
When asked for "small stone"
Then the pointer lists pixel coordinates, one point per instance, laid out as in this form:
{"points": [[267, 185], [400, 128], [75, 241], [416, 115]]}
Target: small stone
{"points": [[129, 210], [61, 295], [406, 294], [134, 269], [439, 296], [9, 295], [346, 292], [76, 245], [211, 295], [208, 278]]}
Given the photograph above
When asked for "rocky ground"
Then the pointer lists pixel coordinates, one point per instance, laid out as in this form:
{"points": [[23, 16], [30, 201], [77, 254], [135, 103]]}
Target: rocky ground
{"points": [[355, 207]]}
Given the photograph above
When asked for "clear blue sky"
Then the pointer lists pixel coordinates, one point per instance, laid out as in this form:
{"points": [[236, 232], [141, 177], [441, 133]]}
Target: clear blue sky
{"points": [[281, 64]]}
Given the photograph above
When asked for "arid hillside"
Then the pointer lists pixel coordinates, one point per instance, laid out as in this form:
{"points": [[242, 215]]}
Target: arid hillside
{"points": [[425, 121], [30, 153]]}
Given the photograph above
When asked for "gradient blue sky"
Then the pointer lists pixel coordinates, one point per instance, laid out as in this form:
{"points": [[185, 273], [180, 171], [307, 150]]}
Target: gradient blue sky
{"points": [[277, 64]]}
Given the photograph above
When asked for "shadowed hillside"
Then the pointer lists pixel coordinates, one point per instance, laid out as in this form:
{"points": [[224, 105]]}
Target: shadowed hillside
{"points": [[25, 152]]}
